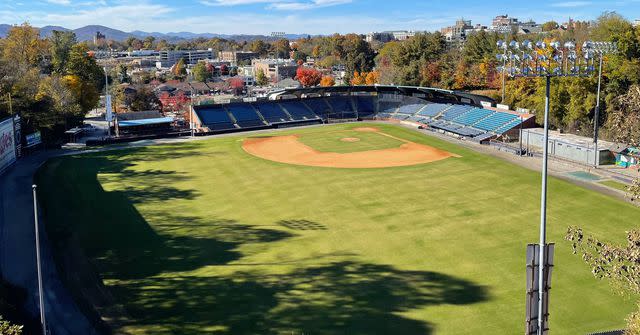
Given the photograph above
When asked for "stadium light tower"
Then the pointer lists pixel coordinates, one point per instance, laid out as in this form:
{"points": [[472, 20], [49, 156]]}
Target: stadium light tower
{"points": [[544, 60], [601, 49]]}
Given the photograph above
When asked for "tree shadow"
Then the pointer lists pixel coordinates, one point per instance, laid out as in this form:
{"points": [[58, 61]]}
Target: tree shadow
{"points": [[338, 298], [302, 225], [142, 262]]}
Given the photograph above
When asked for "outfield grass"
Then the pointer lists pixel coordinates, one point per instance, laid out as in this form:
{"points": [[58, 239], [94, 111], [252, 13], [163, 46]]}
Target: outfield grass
{"points": [[203, 238], [615, 185]]}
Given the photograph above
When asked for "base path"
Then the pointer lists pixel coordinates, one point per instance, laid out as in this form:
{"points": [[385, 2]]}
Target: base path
{"points": [[288, 149]]}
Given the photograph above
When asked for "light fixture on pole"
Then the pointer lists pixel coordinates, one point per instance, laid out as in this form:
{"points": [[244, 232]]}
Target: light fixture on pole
{"points": [[542, 60], [591, 49]]}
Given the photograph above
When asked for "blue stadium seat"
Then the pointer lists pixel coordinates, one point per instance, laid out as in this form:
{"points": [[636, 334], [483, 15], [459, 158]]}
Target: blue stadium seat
{"points": [[456, 111], [272, 112], [366, 106], [298, 111], [245, 115], [410, 109], [342, 107], [495, 121], [319, 106], [215, 118], [432, 110], [388, 107], [473, 116]]}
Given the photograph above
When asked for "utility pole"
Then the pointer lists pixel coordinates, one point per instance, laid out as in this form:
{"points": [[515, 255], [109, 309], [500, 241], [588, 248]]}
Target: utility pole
{"points": [[107, 101], [43, 320]]}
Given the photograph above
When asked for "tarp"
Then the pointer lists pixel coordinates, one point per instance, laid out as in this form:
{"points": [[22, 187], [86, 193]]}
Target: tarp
{"points": [[145, 122]]}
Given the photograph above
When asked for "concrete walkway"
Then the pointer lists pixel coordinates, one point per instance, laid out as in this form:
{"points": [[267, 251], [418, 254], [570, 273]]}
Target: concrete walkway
{"points": [[18, 256]]}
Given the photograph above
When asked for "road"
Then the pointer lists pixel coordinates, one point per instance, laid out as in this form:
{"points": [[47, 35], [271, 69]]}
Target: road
{"points": [[17, 251]]}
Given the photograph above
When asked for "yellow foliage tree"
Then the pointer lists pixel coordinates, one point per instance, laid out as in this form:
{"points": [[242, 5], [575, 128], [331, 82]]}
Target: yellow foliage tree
{"points": [[327, 81]]}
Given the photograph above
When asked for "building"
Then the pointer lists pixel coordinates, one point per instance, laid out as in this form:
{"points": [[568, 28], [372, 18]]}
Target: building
{"points": [[276, 69], [383, 37], [235, 57], [457, 32], [168, 58], [142, 123], [578, 149], [402, 35], [278, 34], [636, 23], [99, 38]]}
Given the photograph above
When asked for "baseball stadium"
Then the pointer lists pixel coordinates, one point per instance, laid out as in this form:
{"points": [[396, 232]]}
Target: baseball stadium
{"points": [[342, 210]]}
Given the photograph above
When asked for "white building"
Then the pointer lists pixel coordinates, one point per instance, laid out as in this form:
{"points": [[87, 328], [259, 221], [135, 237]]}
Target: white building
{"points": [[168, 58]]}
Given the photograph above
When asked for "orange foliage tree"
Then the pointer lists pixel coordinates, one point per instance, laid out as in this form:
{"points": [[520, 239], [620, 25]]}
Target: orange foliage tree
{"points": [[358, 78], [327, 81], [308, 77], [372, 78]]}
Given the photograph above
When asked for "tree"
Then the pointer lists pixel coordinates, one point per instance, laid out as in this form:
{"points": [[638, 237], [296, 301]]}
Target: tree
{"points": [[261, 78], [91, 76], [372, 78], [550, 25], [23, 47], [200, 72], [180, 69], [144, 99], [308, 77], [281, 48], [618, 263], [327, 81], [148, 43], [259, 47], [236, 84], [61, 44], [6, 328]]}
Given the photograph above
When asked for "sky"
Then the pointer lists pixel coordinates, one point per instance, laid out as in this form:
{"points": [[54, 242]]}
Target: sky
{"points": [[296, 16]]}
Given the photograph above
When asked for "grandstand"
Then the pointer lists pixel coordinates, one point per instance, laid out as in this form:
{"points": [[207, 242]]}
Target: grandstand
{"points": [[456, 114]]}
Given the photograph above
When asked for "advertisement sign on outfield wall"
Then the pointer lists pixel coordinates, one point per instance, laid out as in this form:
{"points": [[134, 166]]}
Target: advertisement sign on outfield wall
{"points": [[7, 144]]}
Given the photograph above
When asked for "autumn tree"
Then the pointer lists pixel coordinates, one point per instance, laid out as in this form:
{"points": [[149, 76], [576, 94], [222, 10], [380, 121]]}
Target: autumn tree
{"points": [[372, 78], [145, 99], [358, 79], [149, 42], [23, 47], [261, 78], [550, 25], [236, 84], [327, 81], [308, 77], [180, 69], [6, 328], [85, 67]]}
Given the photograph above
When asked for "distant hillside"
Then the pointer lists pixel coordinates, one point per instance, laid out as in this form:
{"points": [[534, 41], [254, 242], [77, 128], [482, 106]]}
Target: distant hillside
{"points": [[88, 32]]}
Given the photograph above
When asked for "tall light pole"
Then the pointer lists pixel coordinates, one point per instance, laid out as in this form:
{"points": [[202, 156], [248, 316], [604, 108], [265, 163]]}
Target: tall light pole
{"points": [[43, 320], [548, 61], [601, 49]]}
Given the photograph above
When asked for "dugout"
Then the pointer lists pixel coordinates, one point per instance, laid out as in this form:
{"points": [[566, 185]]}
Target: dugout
{"points": [[142, 123]]}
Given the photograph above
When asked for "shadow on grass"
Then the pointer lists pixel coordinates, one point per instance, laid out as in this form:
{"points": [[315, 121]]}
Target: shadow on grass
{"points": [[339, 297]]}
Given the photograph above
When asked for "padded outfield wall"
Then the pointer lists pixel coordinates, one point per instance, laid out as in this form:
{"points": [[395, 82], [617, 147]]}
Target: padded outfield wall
{"points": [[7, 144]]}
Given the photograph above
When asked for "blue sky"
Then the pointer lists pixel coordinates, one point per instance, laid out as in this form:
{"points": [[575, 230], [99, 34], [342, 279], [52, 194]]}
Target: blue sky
{"points": [[295, 16]]}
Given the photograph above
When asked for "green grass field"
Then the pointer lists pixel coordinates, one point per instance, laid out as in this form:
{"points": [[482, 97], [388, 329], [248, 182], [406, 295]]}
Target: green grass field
{"points": [[615, 185], [202, 238]]}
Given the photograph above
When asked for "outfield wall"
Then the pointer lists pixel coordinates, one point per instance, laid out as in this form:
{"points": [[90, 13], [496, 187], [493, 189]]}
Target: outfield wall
{"points": [[7, 144]]}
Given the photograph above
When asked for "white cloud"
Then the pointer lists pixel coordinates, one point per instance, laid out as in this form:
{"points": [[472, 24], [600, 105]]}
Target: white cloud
{"points": [[307, 5], [60, 2], [233, 2], [571, 4]]}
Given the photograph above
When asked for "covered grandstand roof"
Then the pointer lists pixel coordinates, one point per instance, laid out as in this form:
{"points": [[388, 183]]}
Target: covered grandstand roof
{"points": [[145, 122]]}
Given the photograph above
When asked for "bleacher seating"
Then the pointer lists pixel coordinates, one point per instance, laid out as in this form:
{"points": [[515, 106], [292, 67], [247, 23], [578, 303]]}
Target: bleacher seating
{"points": [[272, 112], [366, 106], [215, 118], [455, 111], [342, 107], [388, 107], [473, 116], [432, 110], [319, 106], [298, 111], [495, 121], [245, 115], [410, 109]]}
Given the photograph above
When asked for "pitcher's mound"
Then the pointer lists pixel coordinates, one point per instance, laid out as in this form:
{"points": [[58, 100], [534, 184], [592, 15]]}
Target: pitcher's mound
{"points": [[350, 139], [288, 149]]}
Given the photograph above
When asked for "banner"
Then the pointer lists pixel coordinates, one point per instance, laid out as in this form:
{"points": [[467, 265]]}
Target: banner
{"points": [[17, 130], [33, 139], [109, 113], [7, 144]]}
